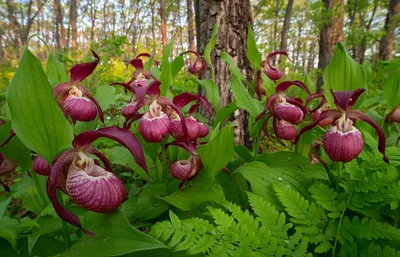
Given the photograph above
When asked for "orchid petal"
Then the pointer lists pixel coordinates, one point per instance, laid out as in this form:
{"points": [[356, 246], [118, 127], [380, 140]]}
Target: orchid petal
{"points": [[265, 128], [274, 121], [186, 98], [94, 100], [80, 71], [325, 114], [269, 56], [193, 108], [60, 165], [283, 86], [65, 86], [178, 111], [345, 100], [125, 85], [137, 63], [191, 148], [101, 156], [192, 52], [295, 102], [120, 135], [381, 135], [315, 96], [12, 134]]}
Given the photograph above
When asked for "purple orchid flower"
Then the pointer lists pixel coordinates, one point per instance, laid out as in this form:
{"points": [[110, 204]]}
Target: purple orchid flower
{"points": [[284, 111], [344, 142], [89, 185], [74, 99], [199, 66]]}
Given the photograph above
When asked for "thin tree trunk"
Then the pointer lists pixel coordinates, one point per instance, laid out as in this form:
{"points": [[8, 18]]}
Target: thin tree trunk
{"points": [[190, 25], [386, 42], [57, 23], [276, 19], [73, 20], [153, 33], [233, 17], [163, 23], [331, 32], [286, 26]]}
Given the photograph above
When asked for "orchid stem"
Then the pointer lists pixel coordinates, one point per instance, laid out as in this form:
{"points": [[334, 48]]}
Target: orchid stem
{"points": [[164, 167], [340, 223], [39, 188], [339, 176], [66, 235]]}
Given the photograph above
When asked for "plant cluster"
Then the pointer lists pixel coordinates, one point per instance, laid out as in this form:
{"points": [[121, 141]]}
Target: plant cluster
{"points": [[331, 193]]}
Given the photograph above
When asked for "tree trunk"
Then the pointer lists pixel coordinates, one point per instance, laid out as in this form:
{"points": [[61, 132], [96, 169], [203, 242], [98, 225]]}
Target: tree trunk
{"points": [[190, 25], [386, 42], [276, 19], [286, 26], [233, 17], [73, 20], [163, 23], [331, 32], [153, 33], [57, 6]]}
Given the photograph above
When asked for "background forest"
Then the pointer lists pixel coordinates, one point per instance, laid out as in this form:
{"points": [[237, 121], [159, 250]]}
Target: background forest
{"points": [[308, 30]]}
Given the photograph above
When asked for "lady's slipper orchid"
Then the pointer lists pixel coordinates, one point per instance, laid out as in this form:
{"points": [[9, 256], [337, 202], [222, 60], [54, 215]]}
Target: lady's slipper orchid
{"points": [[343, 142], [6, 165], [41, 167], [393, 116], [273, 73], [154, 124], [284, 110], [186, 169], [322, 106], [199, 66], [89, 185], [71, 94]]}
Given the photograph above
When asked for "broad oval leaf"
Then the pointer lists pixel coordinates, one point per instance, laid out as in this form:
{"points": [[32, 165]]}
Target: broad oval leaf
{"points": [[217, 153], [115, 237], [391, 90], [253, 54], [166, 70], [56, 73], [36, 117], [211, 44], [343, 74]]}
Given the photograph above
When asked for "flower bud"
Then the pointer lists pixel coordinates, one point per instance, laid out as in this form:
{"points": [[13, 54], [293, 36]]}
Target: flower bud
{"points": [[154, 125], [185, 169], [287, 111], [41, 167], [203, 130], [193, 127], [393, 116], [272, 74], [93, 188], [80, 108], [285, 130], [199, 66], [343, 142], [6, 165], [128, 110]]}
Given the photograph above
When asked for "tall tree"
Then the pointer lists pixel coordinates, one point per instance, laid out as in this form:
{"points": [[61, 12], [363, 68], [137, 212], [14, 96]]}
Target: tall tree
{"points": [[386, 42], [233, 17], [190, 25], [331, 32], [286, 25], [163, 22], [73, 16], [60, 30]]}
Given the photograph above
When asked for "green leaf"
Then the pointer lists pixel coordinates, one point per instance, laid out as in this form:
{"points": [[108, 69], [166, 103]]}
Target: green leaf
{"points": [[120, 155], [344, 74], [225, 112], [212, 91], [15, 150], [204, 188], [242, 97], [114, 237], [166, 71], [36, 117], [105, 95], [29, 194], [56, 73], [211, 44], [48, 224], [253, 54], [217, 153], [176, 66], [4, 205], [391, 90], [234, 69], [82, 126], [9, 230], [148, 206]]}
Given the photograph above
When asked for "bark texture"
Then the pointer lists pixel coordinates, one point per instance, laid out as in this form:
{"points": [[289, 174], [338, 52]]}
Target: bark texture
{"points": [[73, 20], [286, 25], [233, 17], [331, 32], [190, 25], [386, 42], [163, 23]]}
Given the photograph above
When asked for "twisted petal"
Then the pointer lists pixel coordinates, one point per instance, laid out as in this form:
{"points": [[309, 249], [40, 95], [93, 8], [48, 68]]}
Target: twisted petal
{"points": [[80, 71], [315, 96], [65, 86], [185, 98], [282, 87], [61, 165], [101, 156], [325, 114], [269, 56], [122, 136], [191, 147], [381, 135], [345, 100]]}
